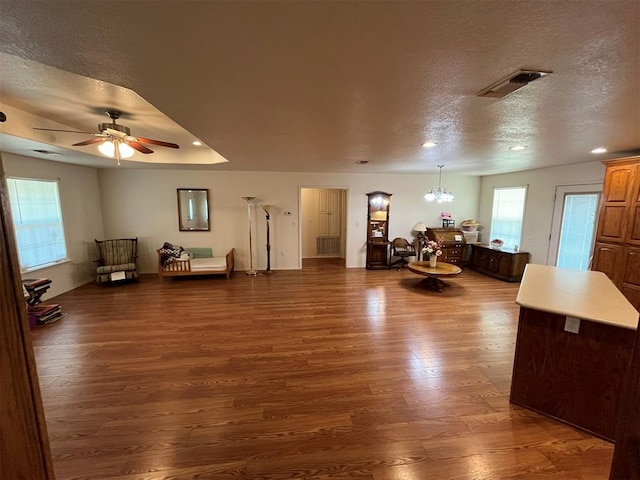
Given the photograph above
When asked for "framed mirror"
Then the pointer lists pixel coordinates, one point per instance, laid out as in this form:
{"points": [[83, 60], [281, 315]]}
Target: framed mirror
{"points": [[193, 209]]}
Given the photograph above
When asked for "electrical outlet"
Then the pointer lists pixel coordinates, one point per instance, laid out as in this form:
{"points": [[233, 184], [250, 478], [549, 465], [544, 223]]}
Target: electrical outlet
{"points": [[572, 325]]}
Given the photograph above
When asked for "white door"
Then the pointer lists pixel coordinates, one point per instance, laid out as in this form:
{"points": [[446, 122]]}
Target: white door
{"points": [[573, 226]]}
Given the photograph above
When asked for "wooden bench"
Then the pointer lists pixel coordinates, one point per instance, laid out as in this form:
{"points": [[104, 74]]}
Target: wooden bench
{"points": [[202, 263]]}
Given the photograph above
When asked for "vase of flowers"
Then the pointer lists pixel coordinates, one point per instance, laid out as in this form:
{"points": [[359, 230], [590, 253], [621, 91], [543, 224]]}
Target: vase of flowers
{"points": [[434, 250]]}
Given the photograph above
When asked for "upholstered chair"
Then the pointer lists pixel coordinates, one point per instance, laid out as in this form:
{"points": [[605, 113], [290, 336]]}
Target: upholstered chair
{"points": [[116, 260]]}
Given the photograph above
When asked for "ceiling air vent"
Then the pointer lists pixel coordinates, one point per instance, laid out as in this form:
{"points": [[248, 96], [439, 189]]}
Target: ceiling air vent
{"points": [[46, 152], [513, 82]]}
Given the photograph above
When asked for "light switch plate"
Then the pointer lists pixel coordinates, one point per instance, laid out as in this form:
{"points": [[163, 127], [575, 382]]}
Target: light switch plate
{"points": [[572, 325]]}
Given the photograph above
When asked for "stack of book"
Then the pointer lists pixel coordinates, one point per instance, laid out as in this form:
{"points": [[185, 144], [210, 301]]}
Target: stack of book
{"points": [[45, 313]]}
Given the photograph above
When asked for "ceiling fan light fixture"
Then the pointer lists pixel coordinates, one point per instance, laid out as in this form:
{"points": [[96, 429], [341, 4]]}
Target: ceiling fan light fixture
{"points": [[108, 149]]}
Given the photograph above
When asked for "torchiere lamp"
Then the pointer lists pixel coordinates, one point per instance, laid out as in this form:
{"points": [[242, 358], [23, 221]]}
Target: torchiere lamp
{"points": [[267, 210], [251, 271]]}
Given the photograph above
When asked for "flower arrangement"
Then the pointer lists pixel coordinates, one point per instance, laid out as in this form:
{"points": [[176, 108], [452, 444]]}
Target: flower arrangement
{"points": [[431, 247]]}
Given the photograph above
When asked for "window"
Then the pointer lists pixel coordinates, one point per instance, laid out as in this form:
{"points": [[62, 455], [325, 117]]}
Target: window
{"points": [[37, 219], [578, 230], [508, 212]]}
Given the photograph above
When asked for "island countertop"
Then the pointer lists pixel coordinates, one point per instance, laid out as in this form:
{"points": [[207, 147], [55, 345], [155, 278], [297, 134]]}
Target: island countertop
{"points": [[588, 295]]}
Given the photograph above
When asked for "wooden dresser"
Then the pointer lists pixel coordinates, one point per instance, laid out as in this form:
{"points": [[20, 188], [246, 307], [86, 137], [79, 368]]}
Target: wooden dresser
{"points": [[452, 241], [617, 248], [505, 264]]}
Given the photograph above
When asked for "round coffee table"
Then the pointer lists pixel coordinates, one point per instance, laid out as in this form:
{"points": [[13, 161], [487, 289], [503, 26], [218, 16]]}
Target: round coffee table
{"points": [[434, 274]]}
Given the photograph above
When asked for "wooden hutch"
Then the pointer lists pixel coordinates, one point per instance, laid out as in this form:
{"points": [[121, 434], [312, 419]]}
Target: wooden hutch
{"points": [[378, 230], [617, 248]]}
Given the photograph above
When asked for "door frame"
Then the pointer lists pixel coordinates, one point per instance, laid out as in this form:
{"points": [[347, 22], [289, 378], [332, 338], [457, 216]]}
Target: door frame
{"points": [[345, 219], [558, 212]]}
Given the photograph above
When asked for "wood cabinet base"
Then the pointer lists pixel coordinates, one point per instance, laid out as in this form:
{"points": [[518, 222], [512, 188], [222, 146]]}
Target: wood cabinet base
{"points": [[575, 378], [498, 263]]}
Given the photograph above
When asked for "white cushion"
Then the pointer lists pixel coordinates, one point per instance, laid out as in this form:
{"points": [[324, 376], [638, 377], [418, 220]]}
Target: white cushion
{"points": [[209, 264]]}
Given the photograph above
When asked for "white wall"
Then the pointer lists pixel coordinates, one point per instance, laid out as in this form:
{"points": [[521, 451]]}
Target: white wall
{"points": [[542, 185], [143, 203], [81, 215]]}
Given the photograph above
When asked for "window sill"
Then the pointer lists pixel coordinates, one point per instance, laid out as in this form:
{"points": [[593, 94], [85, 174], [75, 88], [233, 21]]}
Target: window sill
{"points": [[45, 266]]}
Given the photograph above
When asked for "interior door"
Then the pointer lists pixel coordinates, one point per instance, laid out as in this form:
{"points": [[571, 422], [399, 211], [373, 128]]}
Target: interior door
{"points": [[573, 226]]}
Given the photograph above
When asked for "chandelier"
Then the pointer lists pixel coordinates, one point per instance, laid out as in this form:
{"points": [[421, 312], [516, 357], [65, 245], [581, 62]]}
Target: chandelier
{"points": [[441, 194]]}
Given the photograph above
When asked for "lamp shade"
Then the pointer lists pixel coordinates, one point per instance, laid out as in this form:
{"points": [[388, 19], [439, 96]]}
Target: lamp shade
{"points": [[108, 149], [419, 227]]}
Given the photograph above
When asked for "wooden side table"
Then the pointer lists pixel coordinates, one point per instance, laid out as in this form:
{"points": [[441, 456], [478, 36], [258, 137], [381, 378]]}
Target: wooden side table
{"points": [[35, 288]]}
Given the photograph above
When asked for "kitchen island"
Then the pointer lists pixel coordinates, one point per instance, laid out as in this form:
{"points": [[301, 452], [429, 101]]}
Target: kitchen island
{"points": [[575, 340]]}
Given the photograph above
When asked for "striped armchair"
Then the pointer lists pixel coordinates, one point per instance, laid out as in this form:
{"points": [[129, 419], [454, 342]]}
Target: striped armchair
{"points": [[116, 260]]}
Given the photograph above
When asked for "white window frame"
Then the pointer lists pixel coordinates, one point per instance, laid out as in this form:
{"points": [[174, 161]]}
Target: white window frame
{"points": [[508, 244], [58, 254]]}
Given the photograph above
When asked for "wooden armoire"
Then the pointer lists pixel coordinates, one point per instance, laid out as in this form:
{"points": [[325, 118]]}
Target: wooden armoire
{"points": [[617, 248]]}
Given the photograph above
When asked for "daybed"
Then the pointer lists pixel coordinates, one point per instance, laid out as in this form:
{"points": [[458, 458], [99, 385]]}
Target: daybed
{"points": [[196, 261]]}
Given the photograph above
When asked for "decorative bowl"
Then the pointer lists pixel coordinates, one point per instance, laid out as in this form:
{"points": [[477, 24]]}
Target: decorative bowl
{"points": [[496, 242]]}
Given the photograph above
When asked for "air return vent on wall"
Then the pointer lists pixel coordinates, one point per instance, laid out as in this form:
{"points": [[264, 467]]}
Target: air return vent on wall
{"points": [[513, 82]]}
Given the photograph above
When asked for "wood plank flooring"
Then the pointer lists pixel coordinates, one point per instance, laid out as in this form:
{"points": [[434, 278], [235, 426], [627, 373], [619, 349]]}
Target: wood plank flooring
{"points": [[324, 373]]}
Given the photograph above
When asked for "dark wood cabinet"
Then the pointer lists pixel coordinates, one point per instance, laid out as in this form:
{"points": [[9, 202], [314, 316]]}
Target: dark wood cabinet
{"points": [[576, 378], [617, 248], [378, 230], [452, 241], [504, 264]]}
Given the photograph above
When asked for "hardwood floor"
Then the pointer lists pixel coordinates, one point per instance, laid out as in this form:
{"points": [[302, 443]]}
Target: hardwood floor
{"points": [[323, 373]]}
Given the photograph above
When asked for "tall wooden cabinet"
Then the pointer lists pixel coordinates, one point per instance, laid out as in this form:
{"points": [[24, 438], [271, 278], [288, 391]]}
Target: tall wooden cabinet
{"points": [[378, 230], [617, 248]]}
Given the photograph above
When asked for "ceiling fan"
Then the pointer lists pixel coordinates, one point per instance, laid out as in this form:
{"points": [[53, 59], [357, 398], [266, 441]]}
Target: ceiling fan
{"points": [[115, 140]]}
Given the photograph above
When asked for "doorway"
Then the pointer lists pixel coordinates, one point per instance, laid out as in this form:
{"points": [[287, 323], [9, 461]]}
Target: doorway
{"points": [[573, 226], [323, 227]]}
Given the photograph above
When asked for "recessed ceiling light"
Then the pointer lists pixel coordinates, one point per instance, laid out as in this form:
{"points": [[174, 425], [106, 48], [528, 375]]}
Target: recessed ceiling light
{"points": [[197, 143], [517, 148], [362, 162], [599, 150], [429, 144]]}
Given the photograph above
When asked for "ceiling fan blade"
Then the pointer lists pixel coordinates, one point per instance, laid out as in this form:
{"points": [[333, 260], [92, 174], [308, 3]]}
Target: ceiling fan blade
{"points": [[65, 131], [158, 142], [88, 142], [139, 147]]}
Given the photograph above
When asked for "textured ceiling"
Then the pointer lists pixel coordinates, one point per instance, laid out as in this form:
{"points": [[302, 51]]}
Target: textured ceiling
{"points": [[316, 86]]}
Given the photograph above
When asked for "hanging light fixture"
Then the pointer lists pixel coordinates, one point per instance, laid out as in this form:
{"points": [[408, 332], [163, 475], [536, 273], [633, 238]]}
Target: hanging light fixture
{"points": [[441, 194]]}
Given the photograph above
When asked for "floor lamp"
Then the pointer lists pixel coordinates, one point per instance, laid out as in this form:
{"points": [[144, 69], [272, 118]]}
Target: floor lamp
{"points": [[267, 210], [420, 228], [251, 271]]}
